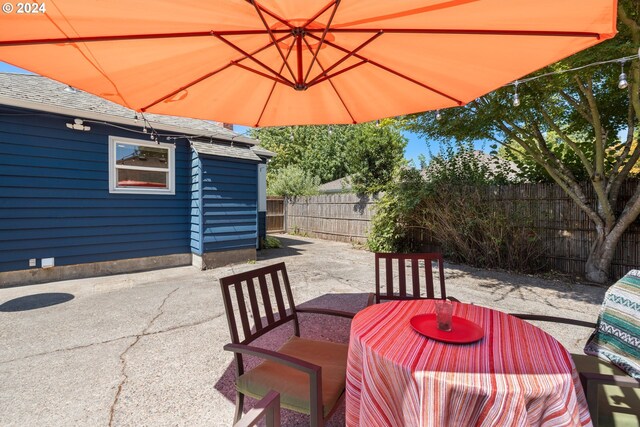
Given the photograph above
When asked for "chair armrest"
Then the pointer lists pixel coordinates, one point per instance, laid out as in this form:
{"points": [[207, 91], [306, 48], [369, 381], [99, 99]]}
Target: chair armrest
{"points": [[268, 409], [619, 380], [453, 299], [314, 372], [274, 356], [554, 319], [326, 311], [371, 300]]}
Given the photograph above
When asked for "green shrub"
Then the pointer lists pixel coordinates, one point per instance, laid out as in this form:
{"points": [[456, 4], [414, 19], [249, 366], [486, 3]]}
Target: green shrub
{"points": [[293, 181], [270, 242], [451, 206]]}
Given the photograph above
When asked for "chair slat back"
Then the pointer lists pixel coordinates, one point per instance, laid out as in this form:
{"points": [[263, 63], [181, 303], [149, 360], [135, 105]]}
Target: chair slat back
{"points": [[394, 269], [258, 301]]}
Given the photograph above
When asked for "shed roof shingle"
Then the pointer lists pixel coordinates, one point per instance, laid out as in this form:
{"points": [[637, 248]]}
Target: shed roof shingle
{"points": [[221, 150]]}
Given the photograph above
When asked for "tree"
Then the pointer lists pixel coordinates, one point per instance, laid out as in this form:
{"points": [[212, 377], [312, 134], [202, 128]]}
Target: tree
{"points": [[373, 154], [293, 181], [367, 152], [319, 150], [567, 123]]}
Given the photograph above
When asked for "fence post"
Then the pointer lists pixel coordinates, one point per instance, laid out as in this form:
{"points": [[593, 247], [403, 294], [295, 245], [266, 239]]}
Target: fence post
{"points": [[285, 212]]}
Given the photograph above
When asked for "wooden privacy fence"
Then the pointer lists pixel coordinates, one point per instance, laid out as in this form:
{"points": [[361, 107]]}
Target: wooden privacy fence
{"points": [[564, 229], [275, 215], [340, 217]]}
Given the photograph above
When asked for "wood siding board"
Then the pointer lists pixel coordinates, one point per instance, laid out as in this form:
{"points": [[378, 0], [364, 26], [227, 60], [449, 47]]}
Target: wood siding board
{"points": [[60, 233], [197, 245], [55, 200], [229, 204]]}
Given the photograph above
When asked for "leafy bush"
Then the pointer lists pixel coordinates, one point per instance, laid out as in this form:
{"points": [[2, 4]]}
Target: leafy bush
{"points": [[475, 230], [271, 242], [394, 212], [450, 205], [293, 181]]}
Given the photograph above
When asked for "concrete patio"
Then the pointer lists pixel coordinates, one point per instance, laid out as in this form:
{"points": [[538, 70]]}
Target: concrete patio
{"points": [[145, 349]]}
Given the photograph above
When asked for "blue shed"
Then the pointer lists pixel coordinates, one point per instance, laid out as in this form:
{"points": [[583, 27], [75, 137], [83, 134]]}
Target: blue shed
{"points": [[88, 187]]}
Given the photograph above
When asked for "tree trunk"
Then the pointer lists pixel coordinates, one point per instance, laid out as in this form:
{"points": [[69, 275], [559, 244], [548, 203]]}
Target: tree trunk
{"points": [[601, 255]]}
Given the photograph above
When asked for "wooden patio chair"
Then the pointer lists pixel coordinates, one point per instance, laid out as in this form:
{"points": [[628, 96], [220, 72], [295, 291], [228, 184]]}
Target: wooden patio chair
{"points": [[416, 267], [267, 409], [613, 395], [309, 375]]}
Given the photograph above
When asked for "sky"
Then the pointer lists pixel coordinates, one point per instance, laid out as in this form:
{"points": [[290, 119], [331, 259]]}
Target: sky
{"points": [[415, 144]]}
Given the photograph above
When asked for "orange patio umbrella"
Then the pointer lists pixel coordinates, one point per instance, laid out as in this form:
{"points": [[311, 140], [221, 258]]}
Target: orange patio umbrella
{"points": [[285, 62]]}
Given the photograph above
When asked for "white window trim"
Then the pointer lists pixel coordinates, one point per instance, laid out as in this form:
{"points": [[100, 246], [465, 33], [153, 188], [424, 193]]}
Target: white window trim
{"points": [[171, 181]]}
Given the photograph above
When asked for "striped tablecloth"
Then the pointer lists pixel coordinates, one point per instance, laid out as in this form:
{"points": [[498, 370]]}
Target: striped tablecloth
{"points": [[517, 375]]}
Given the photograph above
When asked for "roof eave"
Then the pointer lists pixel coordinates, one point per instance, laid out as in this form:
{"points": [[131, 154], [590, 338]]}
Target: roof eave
{"points": [[92, 115]]}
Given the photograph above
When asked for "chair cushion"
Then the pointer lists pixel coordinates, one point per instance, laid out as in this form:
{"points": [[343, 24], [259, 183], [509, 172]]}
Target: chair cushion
{"points": [[595, 365], [617, 335], [292, 384]]}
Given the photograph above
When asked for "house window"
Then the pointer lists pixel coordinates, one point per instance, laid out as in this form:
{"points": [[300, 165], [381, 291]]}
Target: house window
{"points": [[138, 167]]}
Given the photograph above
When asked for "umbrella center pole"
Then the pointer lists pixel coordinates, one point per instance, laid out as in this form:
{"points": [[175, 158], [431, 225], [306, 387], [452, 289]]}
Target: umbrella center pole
{"points": [[299, 33]]}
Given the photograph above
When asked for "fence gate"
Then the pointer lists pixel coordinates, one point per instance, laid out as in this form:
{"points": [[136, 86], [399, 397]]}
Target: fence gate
{"points": [[275, 215]]}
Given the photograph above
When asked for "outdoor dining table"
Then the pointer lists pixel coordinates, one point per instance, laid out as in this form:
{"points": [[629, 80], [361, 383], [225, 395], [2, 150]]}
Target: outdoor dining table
{"points": [[515, 375]]}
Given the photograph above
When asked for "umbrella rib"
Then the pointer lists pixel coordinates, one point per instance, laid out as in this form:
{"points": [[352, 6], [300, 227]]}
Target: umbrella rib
{"points": [[335, 4], [260, 73], [89, 39], [266, 26], [337, 73], [323, 10], [257, 61], [353, 120], [392, 71], [264, 108], [211, 74], [344, 58], [270, 13], [461, 31], [94, 62]]}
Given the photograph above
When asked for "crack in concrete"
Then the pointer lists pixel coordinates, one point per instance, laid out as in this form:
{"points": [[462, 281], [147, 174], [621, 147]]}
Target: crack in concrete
{"points": [[123, 361], [80, 347]]}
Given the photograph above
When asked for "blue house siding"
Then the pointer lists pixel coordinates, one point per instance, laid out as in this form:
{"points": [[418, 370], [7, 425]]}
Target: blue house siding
{"points": [[196, 204], [229, 204], [55, 200], [262, 225]]}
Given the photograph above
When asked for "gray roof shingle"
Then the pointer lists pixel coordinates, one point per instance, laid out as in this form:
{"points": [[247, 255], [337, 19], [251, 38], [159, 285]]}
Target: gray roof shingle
{"points": [[224, 150], [41, 93]]}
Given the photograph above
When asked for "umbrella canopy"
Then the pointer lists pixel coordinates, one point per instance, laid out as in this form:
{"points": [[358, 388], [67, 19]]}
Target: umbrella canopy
{"points": [[284, 62]]}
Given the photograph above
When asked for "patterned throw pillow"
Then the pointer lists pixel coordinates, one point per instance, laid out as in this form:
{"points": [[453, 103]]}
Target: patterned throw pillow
{"points": [[617, 335]]}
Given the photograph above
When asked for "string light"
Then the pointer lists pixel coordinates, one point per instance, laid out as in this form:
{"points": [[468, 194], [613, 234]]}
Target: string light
{"points": [[622, 80], [516, 98], [593, 64], [154, 135], [438, 115]]}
